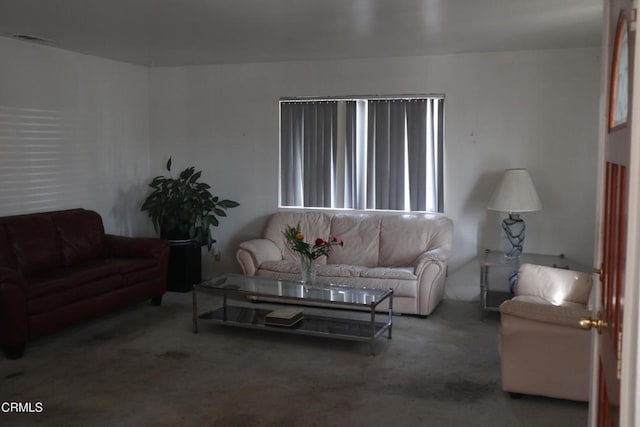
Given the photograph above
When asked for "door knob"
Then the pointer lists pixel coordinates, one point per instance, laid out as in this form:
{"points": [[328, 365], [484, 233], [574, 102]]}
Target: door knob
{"points": [[588, 323], [599, 272]]}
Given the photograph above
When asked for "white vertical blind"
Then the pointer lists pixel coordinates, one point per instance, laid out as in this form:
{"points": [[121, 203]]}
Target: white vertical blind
{"points": [[379, 154]]}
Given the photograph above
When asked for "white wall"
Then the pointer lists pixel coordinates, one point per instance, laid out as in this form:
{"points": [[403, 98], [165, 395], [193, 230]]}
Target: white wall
{"points": [[97, 145], [121, 122], [534, 109]]}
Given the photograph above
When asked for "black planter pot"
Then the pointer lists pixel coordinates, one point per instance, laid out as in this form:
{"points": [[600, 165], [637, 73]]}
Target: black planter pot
{"points": [[185, 265]]}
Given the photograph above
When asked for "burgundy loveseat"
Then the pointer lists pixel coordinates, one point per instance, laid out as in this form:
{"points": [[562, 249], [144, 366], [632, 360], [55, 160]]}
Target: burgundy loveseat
{"points": [[60, 268]]}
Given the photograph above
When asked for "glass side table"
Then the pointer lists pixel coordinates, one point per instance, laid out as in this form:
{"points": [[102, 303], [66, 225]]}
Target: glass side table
{"points": [[496, 274]]}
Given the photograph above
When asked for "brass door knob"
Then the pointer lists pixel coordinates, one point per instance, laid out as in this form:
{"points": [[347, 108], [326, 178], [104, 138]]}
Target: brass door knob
{"points": [[588, 323], [599, 272]]}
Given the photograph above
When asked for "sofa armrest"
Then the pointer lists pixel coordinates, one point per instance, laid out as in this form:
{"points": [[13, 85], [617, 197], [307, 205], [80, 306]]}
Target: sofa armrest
{"points": [[135, 247], [8, 275], [438, 255], [430, 270], [253, 253], [14, 327], [567, 316]]}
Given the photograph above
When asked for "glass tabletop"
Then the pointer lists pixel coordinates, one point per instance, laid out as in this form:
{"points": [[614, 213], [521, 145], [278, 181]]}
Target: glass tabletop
{"points": [[278, 288], [496, 259]]}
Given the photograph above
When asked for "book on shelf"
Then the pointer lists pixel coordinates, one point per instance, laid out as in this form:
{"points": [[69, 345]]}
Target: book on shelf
{"points": [[283, 317]]}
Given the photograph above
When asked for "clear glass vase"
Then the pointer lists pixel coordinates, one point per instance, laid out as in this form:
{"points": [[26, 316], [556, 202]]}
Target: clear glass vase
{"points": [[309, 269]]}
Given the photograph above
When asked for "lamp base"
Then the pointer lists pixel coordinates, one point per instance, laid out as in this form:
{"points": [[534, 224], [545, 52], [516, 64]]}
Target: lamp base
{"points": [[513, 241]]}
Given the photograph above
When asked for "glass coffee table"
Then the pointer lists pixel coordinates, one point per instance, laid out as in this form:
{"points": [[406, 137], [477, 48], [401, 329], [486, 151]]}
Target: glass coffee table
{"points": [[297, 296]]}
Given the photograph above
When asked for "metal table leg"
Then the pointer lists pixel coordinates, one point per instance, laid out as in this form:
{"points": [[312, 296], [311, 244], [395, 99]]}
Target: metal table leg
{"points": [[195, 311], [390, 320], [372, 339]]}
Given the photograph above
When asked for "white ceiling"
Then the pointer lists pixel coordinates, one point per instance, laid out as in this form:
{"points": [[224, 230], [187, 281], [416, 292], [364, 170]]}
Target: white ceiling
{"points": [[189, 32]]}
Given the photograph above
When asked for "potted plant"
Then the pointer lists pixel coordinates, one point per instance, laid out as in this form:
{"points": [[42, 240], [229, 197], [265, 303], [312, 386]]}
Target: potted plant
{"points": [[183, 211], [183, 208]]}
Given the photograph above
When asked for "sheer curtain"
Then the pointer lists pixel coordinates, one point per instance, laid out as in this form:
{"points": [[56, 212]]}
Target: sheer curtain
{"points": [[308, 142]]}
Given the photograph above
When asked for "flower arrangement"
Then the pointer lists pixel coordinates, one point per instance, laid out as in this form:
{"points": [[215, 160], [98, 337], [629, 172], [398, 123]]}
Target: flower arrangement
{"points": [[321, 247]]}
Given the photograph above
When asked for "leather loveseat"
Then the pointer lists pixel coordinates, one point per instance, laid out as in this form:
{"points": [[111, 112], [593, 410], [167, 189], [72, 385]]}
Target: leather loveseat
{"points": [[60, 268], [405, 252]]}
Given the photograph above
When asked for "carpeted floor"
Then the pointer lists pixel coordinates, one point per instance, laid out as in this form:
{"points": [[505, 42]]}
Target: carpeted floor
{"points": [[144, 367]]}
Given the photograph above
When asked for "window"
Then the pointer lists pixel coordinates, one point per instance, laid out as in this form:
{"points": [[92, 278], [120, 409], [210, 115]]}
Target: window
{"points": [[362, 153]]}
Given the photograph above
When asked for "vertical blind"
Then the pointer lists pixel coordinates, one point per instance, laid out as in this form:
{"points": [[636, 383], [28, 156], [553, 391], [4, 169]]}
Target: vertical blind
{"points": [[383, 154]]}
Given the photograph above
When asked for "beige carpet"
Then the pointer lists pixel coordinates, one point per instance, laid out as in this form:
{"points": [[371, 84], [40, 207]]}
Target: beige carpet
{"points": [[144, 367]]}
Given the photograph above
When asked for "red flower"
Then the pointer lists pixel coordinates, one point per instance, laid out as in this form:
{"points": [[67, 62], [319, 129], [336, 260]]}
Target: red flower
{"points": [[321, 247]]}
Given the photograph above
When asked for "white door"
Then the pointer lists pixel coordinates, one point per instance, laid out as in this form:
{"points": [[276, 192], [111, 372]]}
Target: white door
{"points": [[615, 328]]}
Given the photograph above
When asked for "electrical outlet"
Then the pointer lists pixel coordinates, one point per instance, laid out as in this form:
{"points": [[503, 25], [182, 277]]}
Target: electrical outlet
{"points": [[217, 254]]}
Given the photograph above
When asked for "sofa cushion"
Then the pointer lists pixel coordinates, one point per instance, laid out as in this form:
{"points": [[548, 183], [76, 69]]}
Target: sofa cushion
{"points": [[69, 277], [130, 265], [35, 241], [402, 239], [341, 270], [312, 225], [283, 266], [361, 237], [66, 297], [407, 273], [135, 270], [81, 235]]}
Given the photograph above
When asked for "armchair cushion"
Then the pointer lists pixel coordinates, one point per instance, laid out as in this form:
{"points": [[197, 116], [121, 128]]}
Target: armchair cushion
{"points": [[554, 285]]}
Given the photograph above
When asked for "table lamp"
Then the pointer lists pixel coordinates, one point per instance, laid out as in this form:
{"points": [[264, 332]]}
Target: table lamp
{"points": [[515, 194]]}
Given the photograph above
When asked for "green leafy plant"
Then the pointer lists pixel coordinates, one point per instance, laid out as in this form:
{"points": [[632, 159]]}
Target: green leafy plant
{"points": [[184, 208]]}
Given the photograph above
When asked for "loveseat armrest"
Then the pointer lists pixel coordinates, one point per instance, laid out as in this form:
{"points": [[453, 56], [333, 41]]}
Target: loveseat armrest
{"points": [[135, 247], [253, 253], [559, 315]]}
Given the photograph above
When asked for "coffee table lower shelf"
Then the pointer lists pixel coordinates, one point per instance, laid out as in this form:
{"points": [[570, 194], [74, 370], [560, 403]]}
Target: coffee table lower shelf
{"points": [[311, 324]]}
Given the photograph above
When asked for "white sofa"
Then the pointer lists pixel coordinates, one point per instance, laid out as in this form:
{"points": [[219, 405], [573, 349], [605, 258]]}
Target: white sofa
{"points": [[405, 252], [543, 350]]}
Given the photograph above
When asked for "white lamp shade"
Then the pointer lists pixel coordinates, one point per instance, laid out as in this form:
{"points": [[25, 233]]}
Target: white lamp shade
{"points": [[515, 193]]}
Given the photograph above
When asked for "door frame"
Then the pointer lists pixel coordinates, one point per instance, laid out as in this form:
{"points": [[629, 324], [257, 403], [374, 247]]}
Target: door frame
{"points": [[630, 378]]}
